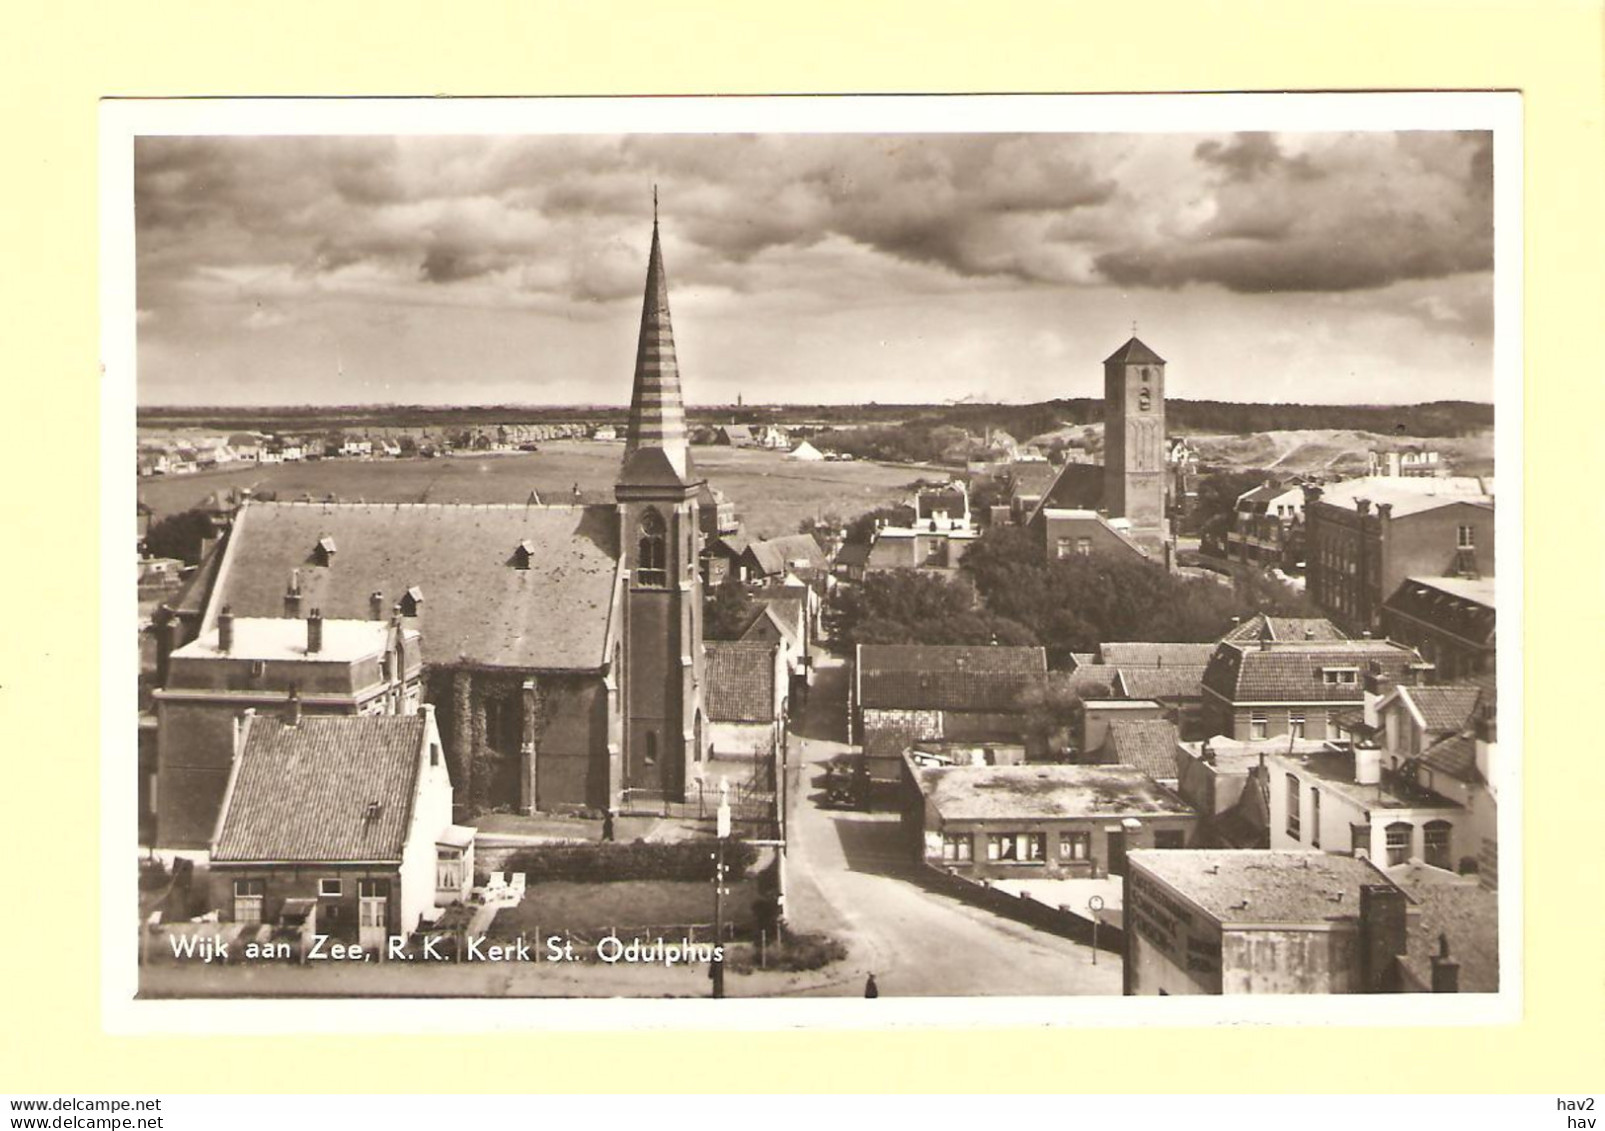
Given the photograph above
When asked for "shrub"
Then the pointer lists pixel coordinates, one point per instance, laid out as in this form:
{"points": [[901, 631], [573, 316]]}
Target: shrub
{"points": [[642, 860]]}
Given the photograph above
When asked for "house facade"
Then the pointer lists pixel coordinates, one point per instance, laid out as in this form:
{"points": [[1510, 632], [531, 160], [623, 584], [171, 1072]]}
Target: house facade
{"points": [[1268, 526], [271, 665], [1235, 921], [1299, 688], [351, 815], [1365, 537], [903, 693], [1048, 820]]}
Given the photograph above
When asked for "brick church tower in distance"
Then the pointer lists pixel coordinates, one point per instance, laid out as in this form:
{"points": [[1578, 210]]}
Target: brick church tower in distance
{"points": [[1134, 442], [656, 492]]}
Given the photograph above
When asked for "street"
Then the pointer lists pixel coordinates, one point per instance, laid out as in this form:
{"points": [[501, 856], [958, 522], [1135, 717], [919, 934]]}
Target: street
{"points": [[850, 873]]}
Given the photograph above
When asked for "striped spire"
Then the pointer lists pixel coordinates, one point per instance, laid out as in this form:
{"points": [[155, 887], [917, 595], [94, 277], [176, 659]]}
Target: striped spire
{"points": [[657, 414]]}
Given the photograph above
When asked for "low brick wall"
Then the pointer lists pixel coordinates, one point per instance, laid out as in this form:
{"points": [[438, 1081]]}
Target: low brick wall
{"points": [[1024, 909]]}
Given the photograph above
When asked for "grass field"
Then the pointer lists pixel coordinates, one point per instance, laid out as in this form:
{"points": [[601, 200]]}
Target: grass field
{"points": [[772, 494]]}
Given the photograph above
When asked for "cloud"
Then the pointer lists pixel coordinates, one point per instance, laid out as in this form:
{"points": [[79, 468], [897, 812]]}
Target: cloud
{"points": [[1347, 213]]}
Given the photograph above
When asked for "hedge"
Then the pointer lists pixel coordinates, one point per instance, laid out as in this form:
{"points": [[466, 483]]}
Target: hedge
{"points": [[640, 860]]}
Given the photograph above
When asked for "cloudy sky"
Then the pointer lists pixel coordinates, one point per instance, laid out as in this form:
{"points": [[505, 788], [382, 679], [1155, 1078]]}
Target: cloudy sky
{"points": [[1287, 267]]}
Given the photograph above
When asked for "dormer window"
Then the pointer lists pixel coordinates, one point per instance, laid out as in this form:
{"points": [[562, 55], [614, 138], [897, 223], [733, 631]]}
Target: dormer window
{"points": [[323, 552], [651, 566], [411, 601], [1340, 677], [523, 553]]}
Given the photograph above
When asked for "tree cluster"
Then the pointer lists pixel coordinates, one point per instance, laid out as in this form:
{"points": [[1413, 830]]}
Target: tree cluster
{"points": [[1075, 604], [910, 607]]}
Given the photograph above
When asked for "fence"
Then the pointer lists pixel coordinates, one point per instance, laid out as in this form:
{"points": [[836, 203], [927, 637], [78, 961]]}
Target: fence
{"points": [[1025, 909]]}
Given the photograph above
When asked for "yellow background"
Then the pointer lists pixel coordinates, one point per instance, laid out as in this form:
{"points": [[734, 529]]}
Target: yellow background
{"points": [[58, 59]]}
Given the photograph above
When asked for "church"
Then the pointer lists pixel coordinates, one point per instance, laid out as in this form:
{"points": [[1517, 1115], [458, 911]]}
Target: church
{"points": [[1119, 507], [561, 644]]}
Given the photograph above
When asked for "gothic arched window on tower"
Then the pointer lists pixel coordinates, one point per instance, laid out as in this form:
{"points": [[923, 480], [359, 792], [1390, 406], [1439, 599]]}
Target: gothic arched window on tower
{"points": [[651, 559], [1144, 401]]}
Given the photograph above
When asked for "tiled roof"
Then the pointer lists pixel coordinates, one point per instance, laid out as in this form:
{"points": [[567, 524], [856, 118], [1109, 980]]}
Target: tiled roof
{"points": [[770, 623], [1461, 910], [1455, 756], [1264, 885], [1286, 628], [1078, 486], [942, 677], [1180, 682], [775, 555], [1146, 654], [1443, 708], [1135, 352], [739, 681], [960, 658], [481, 609], [302, 793], [853, 554], [1042, 791], [927, 503], [1291, 672], [1146, 744]]}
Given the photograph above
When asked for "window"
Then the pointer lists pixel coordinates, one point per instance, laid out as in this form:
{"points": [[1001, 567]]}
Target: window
{"points": [[1063, 548], [1258, 725], [959, 849], [1359, 840], [1075, 846], [329, 888], [1016, 848], [1315, 818], [652, 551], [1436, 843], [1293, 802], [1295, 725], [1084, 547], [1170, 838], [1400, 834], [448, 868], [248, 900], [652, 748], [1466, 537]]}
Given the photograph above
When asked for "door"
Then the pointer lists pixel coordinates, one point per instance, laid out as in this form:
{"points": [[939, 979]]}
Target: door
{"points": [[1117, 852], [373, 913]]}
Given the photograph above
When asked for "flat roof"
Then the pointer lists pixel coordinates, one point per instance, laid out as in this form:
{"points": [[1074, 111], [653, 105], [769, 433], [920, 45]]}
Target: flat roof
{"points": [[1334, 769], [1480, 590], [285, 638], [1045, 792], [1263, 885], [1410, 496]]}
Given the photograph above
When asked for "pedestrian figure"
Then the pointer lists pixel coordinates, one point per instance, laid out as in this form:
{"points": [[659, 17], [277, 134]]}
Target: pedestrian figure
{"points": [[716, 975], [607, 825], [870, 989]]}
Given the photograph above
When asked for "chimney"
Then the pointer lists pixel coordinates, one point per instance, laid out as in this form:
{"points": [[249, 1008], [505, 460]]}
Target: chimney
{"points": [[376, 605], [225, 630], [292, 596], [1384, 511], [315, 632], [1382, 935], [1445, 970], [1367, 765], [1363, 505], [292, 707], [1309, 632]]}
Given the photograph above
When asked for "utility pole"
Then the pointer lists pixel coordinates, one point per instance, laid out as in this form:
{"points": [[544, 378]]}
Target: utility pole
{"points": [[722, 829]]}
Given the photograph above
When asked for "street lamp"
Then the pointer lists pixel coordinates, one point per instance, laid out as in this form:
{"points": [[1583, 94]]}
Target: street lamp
{"points": [[1095, 905]]}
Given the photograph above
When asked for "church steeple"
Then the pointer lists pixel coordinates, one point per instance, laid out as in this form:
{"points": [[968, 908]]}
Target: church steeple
{"points": [[656, 451]]}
